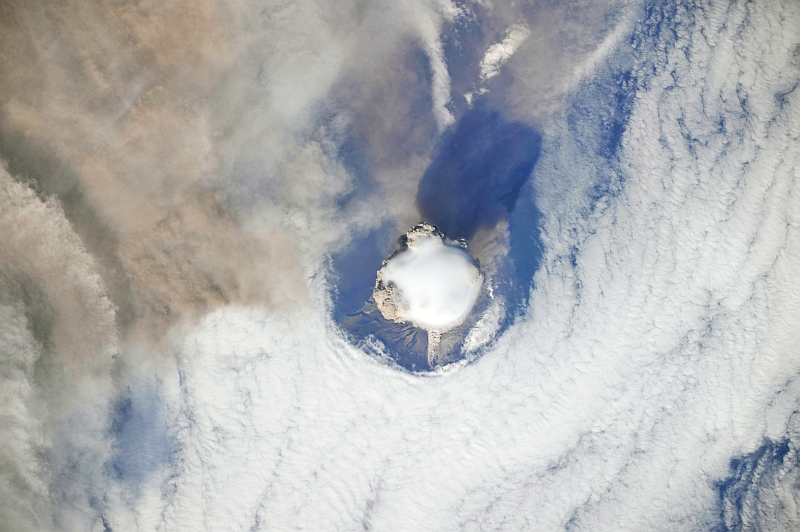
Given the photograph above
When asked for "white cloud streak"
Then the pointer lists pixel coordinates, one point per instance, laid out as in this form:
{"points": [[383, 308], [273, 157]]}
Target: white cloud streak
{"points": [[499, 53]]}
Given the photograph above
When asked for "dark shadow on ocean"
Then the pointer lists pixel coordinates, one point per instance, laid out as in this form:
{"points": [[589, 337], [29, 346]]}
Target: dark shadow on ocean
{"points": [[476, 177], [479, 176]]}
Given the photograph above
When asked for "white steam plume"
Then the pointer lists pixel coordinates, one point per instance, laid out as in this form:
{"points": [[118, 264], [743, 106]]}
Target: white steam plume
{"points": [[432, 282]]}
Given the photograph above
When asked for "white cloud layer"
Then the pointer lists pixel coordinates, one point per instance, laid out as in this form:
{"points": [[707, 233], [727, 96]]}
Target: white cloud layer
{"points": [[660, 342], [644, 366]]}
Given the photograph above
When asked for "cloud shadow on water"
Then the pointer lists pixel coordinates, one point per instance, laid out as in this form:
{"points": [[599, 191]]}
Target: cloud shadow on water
{"points": [[476, 177]]}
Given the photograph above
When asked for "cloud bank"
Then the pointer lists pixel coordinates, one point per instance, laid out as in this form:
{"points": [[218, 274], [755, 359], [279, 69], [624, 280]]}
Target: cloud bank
{"points": [[178, 175]]}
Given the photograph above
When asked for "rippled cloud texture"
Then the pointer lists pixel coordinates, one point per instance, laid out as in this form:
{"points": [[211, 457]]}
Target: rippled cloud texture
{"points": [[177, 176]]}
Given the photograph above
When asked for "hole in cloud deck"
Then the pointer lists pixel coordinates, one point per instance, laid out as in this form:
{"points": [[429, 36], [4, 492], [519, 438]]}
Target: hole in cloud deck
{"points": [[419, 313]]}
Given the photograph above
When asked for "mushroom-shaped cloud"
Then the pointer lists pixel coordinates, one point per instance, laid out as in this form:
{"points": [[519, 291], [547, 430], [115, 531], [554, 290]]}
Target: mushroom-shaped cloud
{"points": [[431, 281]]}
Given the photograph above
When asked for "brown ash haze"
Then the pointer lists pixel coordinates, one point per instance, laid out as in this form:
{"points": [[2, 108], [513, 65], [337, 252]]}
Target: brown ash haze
{"points": [[196, 198]]}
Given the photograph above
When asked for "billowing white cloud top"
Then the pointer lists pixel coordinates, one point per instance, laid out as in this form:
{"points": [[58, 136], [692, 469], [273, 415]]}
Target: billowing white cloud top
{"points": [[498, 53], [433, 283]]}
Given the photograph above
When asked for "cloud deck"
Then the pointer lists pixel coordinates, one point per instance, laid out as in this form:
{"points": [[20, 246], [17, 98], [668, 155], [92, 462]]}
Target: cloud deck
{"points": [[188, 188]]}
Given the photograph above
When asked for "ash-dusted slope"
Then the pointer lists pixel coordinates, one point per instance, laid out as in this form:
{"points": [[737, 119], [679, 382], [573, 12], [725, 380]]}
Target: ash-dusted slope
{"points": [[432, 281]]}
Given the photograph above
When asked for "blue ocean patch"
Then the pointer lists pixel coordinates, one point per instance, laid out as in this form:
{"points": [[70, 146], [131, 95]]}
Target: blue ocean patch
{"points": [[755, 494], [139, 431]]}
